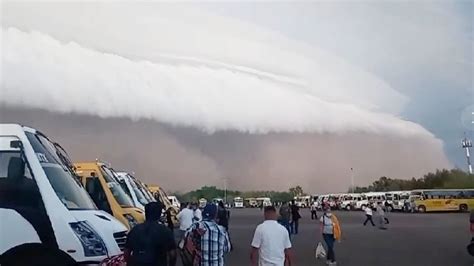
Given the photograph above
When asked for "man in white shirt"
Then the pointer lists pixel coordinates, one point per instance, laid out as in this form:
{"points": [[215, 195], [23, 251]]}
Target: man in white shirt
{"points": [[185, 218], [271, 244], [368, 215], [197, 213]]}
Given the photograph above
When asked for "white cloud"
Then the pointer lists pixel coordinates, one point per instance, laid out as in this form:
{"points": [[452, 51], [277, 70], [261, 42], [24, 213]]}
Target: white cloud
{"points": [[186, 67]]}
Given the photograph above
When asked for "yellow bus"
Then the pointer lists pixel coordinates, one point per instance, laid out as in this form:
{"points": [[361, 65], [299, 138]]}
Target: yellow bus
{"points": [[101, 184], [432, 200]]}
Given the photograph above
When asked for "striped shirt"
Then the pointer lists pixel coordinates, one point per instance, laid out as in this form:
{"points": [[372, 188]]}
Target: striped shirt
{"points": [[214, 242]]}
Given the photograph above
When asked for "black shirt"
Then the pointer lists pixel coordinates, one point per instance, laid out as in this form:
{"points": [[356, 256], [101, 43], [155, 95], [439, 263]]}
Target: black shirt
{"points": [[295, 214], [149, 243]]}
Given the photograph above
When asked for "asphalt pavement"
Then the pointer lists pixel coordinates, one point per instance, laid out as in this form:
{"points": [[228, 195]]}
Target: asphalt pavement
{"points": [[434, 239]]}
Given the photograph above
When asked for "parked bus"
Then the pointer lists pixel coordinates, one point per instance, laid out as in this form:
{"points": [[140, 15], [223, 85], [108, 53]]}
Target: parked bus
{"points": [[251, 203], [432, 200], [132, 188], [45, 212], [174, 201], [396, 200], [263, 202], [238, 202], [101, 184], [302, 201]]}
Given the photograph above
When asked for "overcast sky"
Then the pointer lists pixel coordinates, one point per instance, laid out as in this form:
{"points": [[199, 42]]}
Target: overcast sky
{"points": [[266, 94]]}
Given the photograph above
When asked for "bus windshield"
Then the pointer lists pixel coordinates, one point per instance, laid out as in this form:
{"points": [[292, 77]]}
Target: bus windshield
{"points": [[64, 183], [122, 198], [140, 197]]}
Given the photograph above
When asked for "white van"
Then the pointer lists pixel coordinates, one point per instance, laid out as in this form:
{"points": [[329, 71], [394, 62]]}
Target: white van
{"points": [[132, 188], [44, 210], [174, 201], [238, 202]]}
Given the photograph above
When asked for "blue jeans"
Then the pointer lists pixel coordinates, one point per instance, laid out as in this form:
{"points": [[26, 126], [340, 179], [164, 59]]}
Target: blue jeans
{"points": [[329, 240], [285, 224]]}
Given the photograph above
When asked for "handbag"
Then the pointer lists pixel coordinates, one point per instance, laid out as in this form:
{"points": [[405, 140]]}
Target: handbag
{"points": [[320, 252]]}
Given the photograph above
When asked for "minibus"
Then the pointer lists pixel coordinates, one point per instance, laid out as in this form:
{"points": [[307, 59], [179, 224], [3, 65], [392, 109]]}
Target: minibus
{"points": [[101, 183], [44, 210]]}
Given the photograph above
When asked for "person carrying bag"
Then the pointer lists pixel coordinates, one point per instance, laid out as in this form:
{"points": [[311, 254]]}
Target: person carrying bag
{"points": [[331, 231]]}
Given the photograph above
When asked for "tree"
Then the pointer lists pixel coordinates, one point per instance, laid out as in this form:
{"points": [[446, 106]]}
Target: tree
{"points": [[296, 191]]}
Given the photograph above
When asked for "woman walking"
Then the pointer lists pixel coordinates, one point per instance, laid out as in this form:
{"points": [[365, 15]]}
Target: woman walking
{"points": [[331, 232]]}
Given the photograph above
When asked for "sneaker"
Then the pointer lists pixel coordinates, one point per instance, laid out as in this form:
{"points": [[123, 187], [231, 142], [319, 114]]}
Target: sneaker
{"points": [[332, 263]]}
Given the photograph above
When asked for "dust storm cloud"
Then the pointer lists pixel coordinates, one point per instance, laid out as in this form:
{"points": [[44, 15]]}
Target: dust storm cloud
{"points": [[181, 159]]}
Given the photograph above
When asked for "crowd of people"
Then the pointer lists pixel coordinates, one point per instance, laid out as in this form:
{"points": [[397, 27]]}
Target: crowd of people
{"points": [[202, 236]]}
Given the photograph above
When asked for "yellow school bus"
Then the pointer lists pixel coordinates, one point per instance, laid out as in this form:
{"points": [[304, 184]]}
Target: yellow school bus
{"points": [[432, 200], [101, 184]]}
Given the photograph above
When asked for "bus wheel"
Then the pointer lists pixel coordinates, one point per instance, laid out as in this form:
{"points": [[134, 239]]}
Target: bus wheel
{"points": [[33, 254], [348, 207], [463, 208], [389, 209], [421, 209]]}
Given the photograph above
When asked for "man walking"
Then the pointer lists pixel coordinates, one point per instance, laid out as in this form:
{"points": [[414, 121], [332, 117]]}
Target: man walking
{"points": [[206, 240], [150, 243], [314, 215], [368, 215], [295, 217], [185, 218], [271, 244], [285, 216]]}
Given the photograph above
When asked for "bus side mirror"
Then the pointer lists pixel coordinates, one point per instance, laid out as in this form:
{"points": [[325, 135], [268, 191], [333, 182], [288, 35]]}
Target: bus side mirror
{"points": [[16, 144]]}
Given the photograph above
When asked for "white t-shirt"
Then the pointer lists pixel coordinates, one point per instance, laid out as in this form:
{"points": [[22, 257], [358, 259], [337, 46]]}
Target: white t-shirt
{"points": [[271, 238], [368, 211], [185, 217], [198, 214]]}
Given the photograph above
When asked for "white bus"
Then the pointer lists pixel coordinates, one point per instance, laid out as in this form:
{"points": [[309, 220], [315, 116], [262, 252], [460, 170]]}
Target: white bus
{"points": [[302, 201], [238, 202], [132, 188], [174, 201], [44, 211], [264, 202], [397, 200]]}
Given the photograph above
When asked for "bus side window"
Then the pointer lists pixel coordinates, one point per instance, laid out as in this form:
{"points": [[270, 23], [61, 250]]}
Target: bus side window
{"points": [[97, 193]]}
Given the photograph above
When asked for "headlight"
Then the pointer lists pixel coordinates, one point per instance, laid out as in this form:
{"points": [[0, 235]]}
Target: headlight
{"points": [[131, 221], [90, 240]]}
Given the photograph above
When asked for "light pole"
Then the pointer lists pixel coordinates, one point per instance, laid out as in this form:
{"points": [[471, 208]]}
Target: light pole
{"points": [[467, 144], [352, 180]]}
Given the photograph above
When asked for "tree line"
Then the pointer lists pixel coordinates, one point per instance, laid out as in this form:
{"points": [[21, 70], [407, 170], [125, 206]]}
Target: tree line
{"points": [[441, 179], [211, 192]]}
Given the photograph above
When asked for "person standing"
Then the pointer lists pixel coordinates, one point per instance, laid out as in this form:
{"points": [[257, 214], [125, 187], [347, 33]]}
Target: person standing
{"points": [[169, 219], [331, 232], [382, 220], [285, 216], [206, 240], [314, 215], [295, 217], [150, 243], [223, 216], [368, 215], [185, 218], [197, 213], [271, 244]]}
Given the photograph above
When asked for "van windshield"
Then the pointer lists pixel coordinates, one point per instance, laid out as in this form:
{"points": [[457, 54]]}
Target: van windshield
{"points": [[120, 196], [139, 194], [64, 183]]}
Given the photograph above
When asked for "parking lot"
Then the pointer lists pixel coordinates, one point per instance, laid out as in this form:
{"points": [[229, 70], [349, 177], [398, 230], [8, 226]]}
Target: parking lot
{"points": [[411, 239]]}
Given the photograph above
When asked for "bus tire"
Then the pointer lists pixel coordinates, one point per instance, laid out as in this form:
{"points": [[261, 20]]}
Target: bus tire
{"points": [[35, 254], [463, 208], [348, 207], [421, 209], [363, 206], [390, 208]]}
